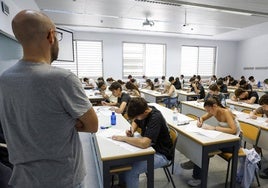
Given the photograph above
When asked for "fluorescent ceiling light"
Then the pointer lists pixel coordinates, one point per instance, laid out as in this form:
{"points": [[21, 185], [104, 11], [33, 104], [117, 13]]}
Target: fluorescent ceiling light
{"points": [[236, 12]]}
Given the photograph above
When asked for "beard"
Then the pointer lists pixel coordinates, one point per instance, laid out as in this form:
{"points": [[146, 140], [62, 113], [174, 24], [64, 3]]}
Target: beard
{"points": [[54, 51]]}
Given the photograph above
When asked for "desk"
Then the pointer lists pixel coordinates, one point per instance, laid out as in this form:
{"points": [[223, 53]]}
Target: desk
{"points": [[197, 147], [186, 96], [152, 95], [241, 105], [94, 96], [108, 154]]}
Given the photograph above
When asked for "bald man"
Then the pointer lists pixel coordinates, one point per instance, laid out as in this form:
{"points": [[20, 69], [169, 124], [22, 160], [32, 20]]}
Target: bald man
{"points": [[42, 108]]}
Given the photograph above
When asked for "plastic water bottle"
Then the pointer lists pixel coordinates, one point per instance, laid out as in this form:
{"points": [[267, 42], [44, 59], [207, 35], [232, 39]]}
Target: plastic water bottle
{"points": [[223, 102], [113, 119], [259, 84], [175, 116]]}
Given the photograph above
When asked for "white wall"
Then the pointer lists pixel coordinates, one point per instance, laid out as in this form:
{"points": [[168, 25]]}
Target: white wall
{"points": [[253, 53], [14, 7], [112, 52]]}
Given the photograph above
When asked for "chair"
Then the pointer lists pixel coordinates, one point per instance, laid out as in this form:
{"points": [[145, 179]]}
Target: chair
{"points": [[117, 170], [250, 133], [248, 111], [192, 116], [174, 136]]}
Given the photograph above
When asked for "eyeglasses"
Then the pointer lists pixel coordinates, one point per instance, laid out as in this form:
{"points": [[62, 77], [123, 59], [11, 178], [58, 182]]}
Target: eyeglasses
{"points": [[59, 35]]}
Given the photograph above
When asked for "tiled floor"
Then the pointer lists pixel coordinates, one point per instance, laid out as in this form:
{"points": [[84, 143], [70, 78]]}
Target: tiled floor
{"points": [[216, 175]]}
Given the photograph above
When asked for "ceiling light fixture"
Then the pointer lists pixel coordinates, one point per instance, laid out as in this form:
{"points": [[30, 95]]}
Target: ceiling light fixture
{"points": [[148, 23], [185, 3]]}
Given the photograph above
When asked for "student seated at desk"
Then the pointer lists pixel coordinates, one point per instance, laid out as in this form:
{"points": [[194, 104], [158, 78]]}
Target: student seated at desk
{"points": [[197, 87], [132, 89], [122, 98], [261, 110], [244, 85], [102, 88], [227, 124], [170, 90], [154, 132], [149, 84], [222, 86], [242, 95], [89, 83], [214, 91]]}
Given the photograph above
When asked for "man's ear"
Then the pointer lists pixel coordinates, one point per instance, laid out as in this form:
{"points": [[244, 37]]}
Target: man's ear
{"points": [[51, 36]]}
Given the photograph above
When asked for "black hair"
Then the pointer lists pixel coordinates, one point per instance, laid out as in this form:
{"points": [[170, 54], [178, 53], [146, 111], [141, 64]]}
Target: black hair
{"points": [[136, 106], [264, 99], [115, 86]]}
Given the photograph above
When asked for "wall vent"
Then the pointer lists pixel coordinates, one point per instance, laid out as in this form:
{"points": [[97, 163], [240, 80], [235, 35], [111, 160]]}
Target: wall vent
{"points": [[5, 8], [248, 68], [261, 68]]}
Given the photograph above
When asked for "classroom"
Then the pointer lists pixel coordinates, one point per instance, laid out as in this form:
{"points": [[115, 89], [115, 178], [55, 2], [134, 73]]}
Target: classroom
{"points": [[125, 45]]}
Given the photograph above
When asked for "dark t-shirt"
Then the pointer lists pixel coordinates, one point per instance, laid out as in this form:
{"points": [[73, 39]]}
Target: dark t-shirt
{"points": [[223, 88], [253, 94], [155, 128], [124, 98], [201, 89]]}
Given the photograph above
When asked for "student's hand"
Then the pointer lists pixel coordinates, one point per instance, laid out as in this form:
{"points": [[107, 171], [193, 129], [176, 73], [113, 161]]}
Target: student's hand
{"points": [[266, 120], [129, 133], [104, 103], [112, 109], [199, 122], [253, 116]]}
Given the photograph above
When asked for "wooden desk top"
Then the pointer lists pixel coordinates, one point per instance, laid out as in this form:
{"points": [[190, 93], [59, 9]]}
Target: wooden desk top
{"points": [[242, 104], [183, 92], [153, 93]]}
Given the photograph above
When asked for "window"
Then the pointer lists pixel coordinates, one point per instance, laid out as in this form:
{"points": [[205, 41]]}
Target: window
{"points": [[144, 59], [87, 59], [198, 60]]}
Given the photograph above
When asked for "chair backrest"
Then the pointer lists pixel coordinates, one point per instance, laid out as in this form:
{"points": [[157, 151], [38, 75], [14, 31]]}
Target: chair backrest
{"points": [[262, 141], [174, 137], [192, 116], [250, 133], [248, 111]]}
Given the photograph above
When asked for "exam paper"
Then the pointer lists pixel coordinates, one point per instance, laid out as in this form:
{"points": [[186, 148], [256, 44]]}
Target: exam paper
{"points": [[205, 132], [108, 133]]}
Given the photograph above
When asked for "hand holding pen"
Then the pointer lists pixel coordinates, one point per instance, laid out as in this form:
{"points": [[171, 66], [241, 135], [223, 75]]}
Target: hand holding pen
{"points": [[129, 132], [199, 122]]}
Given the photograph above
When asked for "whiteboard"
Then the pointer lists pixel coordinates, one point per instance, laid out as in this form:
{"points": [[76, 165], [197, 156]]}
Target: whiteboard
{"points": [[66, 52]]}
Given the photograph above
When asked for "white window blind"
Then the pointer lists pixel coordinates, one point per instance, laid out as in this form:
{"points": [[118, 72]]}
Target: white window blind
{"points": [[143, 59], [88, 59], [198, 60]]}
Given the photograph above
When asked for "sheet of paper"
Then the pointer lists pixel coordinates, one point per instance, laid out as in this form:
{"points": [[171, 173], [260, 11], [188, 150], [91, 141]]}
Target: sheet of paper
{"points": [[108, 133], [205, 132]]}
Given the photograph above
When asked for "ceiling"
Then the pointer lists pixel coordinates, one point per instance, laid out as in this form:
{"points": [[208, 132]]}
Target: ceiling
{"points": [[207, 19]]}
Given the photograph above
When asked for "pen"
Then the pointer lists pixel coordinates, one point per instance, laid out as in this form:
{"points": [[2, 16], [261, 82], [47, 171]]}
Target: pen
{"points": [[104, 127]]}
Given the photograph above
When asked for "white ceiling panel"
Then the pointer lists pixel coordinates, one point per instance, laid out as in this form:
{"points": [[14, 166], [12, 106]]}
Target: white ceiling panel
{"points": [[209, 19]]}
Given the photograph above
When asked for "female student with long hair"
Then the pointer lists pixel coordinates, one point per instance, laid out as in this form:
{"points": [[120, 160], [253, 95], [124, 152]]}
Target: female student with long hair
{"points": [[227, 124]]}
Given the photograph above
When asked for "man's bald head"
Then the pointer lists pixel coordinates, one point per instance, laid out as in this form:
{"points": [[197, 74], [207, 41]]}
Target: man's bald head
{"points": [[31, 26]]}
